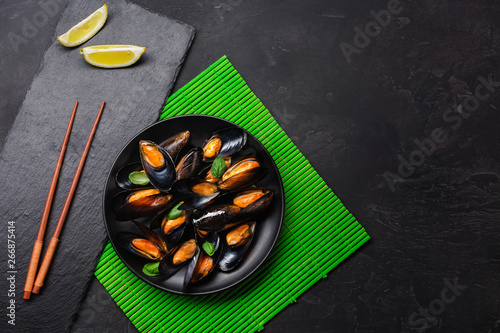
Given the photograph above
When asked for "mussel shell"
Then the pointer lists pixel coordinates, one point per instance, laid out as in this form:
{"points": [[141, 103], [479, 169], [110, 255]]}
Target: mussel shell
{"points": [[210, 236], [244, 179], [153, 237], [238, 229], [190, 275], [175, 143], [167, 268], [160, 177], [183, 190], [122, 179], [190, 163], [258, 206], [124, 239], [231, 257], [177, 233], [215, 218], [143, 207], [233, 139]]}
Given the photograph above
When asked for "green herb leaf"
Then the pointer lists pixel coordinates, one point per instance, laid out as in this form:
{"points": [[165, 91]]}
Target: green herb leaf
{"points": [[209, 248], [175, 212], [151, 269], [138, 178], [218, 167]]}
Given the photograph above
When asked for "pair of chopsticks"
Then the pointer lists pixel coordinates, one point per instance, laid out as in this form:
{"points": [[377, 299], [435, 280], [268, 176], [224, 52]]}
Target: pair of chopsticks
{"points": [[31, 284]]}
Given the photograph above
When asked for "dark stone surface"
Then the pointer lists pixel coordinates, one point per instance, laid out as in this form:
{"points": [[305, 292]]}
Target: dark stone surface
{"points": [[352, 121], [134, 97]]}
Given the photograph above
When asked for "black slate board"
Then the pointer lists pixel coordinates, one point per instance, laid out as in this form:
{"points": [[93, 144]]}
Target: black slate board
{"points": [[134, 97]]}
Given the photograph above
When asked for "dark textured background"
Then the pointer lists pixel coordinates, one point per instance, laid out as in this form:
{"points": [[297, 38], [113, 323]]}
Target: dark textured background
{"points": [[353, 121]]}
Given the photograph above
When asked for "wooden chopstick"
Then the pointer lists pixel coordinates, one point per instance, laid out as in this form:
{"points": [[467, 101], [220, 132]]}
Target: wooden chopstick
{"points": [[37, 248], [40, 278]]}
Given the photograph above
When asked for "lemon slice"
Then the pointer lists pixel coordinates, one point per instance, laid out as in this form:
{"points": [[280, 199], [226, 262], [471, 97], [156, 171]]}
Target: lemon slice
{"points": [[86, 29], [112, 56]]}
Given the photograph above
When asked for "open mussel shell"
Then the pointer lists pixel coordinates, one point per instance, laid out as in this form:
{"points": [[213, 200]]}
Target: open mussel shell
{"points": [[177, 257], [196, 193], [157, 164], [152, 237], [190, 164], [122, 176], [215, 218], [175, 143], [252, 202], [139, 246], [172, 229], [232, 255], [224, 143], [240, 234], [243, 174], [208, 236], [138, 203], [201, 265]]}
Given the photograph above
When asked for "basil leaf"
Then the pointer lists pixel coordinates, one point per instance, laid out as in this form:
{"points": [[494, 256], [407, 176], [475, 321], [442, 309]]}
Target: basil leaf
{"points": [[175, 212], [151, 269], [138, 178], [209, 248], [218, 167]]}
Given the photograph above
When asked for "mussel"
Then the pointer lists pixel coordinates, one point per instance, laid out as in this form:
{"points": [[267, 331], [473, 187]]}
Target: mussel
{"points": [[200, 266], [157, 164], [224, 143], [150, 245], [212, 237], [196, 193], [138, 203], [177, 257], [138, 245], [246, 172], [216, 218], [239, 235], [190, 163], [207, 172], [237, 243], [175, 143], [252, 202]]}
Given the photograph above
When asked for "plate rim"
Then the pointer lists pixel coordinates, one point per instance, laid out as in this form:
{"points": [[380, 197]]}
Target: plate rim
{"points": [[274, 240]]}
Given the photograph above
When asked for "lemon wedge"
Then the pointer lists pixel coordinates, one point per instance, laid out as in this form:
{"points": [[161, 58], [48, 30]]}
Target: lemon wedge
{"points": [[112, 56], [86, 29]]}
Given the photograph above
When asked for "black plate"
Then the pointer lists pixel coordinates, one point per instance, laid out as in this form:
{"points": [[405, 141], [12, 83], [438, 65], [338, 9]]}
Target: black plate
{"points": [[267, 230]]}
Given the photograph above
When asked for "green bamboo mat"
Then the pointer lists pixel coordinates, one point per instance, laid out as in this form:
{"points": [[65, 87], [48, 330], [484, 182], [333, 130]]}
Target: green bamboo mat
{"points": [[315, 221]]}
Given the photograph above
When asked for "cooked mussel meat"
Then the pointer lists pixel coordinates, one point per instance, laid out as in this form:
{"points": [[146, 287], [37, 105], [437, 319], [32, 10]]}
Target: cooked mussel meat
{"points": [[224, 143], [196, 193], [172, 223], [246, 172], [239, 235], [138, 245], [232, 255], [177, 257], [175, 143], [138, 203], [253, 201], [215, 218], [190, 163], [157, 164]]}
